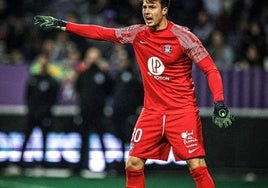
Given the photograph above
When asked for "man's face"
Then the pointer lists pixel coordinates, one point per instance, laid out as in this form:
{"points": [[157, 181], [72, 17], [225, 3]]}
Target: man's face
{"points": [[154, 15]]}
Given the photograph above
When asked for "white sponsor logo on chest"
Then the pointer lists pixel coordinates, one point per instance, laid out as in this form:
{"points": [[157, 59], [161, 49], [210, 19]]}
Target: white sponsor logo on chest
{"points": [[156, 68]]}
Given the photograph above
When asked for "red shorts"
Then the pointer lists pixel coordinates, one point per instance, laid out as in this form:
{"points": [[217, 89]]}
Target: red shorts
{"points": [[155, 134]]}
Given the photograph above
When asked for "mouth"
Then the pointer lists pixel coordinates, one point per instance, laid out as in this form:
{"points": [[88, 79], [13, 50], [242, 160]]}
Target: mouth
{"points": [[148, 20]]}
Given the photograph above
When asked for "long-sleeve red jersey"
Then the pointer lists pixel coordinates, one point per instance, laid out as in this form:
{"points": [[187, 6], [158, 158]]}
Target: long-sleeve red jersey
{"points": [[165, 59]]}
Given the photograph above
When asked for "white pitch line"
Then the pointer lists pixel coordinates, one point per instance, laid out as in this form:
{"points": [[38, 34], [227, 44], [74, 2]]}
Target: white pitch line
{"points": [[8, 184]]}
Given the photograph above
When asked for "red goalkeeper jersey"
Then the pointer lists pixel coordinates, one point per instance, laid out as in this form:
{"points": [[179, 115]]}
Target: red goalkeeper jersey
{"points": [[165, 59]]}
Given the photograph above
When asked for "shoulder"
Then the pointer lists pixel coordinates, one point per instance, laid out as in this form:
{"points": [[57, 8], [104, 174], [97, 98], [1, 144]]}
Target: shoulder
{"points": [[180, 30], [127, 34], [132, 28], [184, 35]]}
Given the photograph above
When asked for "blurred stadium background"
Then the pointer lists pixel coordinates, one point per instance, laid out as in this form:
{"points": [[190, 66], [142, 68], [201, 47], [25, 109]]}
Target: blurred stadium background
{"points": [[235, 32]]}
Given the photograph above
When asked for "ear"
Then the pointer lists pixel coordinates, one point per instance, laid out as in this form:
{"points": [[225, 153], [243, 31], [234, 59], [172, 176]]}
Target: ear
{"points": [[165, 11]]}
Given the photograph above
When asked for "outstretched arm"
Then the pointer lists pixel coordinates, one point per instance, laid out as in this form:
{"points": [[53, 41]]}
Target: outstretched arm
{"points": [[85, 30], [117, 35], [92, 31]]}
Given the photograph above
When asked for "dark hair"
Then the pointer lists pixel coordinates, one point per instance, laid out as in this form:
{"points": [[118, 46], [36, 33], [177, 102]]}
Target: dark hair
{"points": [[164, 3]]}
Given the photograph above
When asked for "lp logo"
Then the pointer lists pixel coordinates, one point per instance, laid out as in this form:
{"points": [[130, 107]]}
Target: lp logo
{"points": [[155, 66]]}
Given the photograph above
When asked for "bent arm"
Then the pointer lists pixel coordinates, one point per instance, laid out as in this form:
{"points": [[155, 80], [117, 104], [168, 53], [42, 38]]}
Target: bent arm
{"points": [[209, 68]]}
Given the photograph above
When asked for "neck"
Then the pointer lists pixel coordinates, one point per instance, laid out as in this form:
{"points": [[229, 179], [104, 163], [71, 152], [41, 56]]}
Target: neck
{"points": [[163, 25]]}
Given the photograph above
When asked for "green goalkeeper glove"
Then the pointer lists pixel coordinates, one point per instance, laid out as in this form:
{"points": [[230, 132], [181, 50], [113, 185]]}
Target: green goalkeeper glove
{"points": [[222, 117], [49, 22]]}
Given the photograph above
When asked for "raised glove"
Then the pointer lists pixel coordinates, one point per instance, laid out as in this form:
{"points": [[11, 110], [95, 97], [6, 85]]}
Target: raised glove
{"points": [[222, 116], [49, 22]]}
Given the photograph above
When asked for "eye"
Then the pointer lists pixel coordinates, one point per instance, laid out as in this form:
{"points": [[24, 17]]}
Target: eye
{"points": [[152, 7], [149, 7]]}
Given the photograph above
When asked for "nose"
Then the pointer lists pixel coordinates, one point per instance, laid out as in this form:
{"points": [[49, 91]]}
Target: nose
{"points": [[145, 10]]}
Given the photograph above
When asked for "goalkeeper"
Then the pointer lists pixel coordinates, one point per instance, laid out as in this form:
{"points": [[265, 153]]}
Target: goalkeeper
{"points": [[170, 117]]}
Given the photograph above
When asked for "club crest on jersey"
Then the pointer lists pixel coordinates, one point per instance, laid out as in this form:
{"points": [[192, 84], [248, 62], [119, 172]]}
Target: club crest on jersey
{"points": [[167, 49]]}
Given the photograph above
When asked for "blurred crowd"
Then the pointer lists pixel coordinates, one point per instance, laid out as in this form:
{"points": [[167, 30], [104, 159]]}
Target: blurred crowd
{"points": [[235, 32]]}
